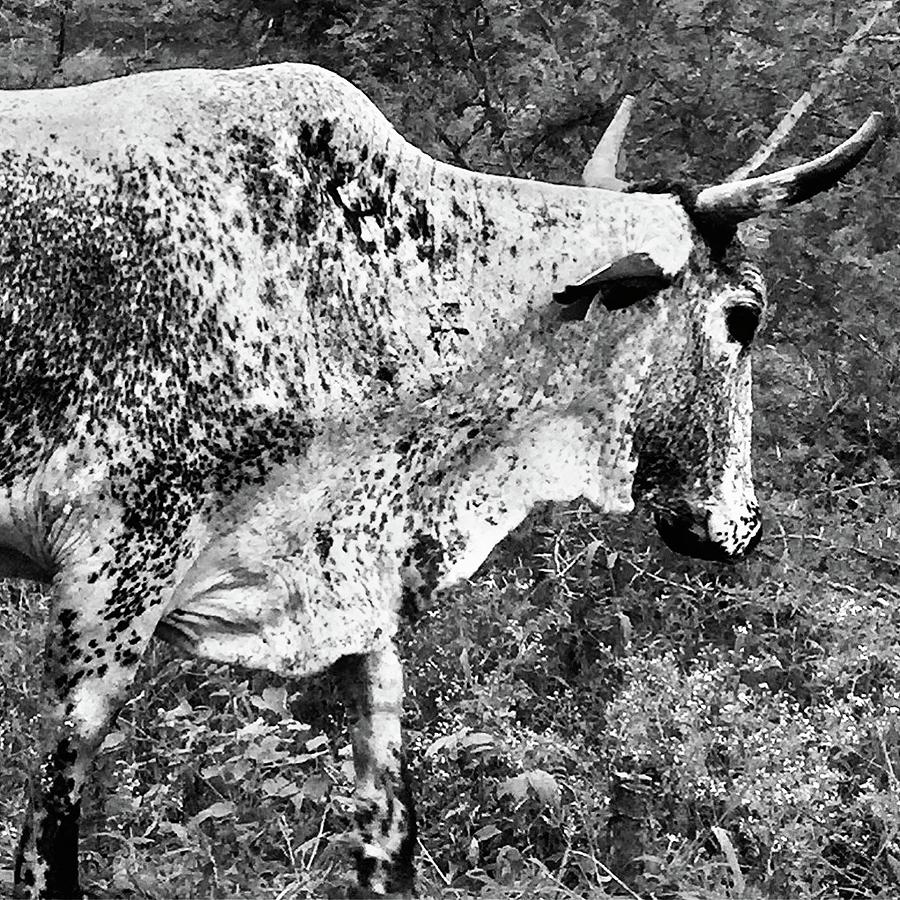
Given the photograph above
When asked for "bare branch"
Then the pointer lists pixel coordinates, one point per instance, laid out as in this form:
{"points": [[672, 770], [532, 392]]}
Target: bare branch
{"points": [[803, 103], [64, 9], [554, 127], [494, 113]]}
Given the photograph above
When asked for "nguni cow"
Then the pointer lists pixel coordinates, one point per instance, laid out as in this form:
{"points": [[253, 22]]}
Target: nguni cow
{"points": [[270, 375]]}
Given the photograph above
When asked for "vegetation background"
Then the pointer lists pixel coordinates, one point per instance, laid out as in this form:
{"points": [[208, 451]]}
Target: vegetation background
{"points": [[591, 715]]}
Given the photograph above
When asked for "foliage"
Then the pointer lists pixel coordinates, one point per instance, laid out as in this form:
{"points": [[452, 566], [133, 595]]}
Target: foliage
{"points": [[590, 709]]}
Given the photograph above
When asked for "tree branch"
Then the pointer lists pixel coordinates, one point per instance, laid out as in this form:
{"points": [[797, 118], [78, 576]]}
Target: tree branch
{"points": [[803, 103], [64, 8]]}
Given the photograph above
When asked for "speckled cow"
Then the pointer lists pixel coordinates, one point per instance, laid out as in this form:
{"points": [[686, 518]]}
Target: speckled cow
{"points": [[269, 376]]}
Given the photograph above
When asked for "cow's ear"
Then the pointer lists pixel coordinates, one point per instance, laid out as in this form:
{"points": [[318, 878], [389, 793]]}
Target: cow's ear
{"points": [[618, 284]]}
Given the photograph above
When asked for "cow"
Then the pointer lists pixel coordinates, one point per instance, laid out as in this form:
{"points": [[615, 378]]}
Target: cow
{"points": [[271, 377]]}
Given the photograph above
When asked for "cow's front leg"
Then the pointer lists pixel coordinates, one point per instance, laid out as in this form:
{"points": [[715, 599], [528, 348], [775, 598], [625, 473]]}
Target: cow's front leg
{"points": [[385, 818], [89, 662]]}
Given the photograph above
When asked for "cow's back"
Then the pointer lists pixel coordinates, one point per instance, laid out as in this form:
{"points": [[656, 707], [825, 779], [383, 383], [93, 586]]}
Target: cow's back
{"points": [[160, 111]]}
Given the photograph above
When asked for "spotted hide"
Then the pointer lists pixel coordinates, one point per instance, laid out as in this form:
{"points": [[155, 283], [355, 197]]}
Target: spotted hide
{"points": [[271, 376]]}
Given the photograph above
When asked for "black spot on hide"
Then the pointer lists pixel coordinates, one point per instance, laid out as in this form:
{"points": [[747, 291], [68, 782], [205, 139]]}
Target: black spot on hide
{"points": [[324, 543]]}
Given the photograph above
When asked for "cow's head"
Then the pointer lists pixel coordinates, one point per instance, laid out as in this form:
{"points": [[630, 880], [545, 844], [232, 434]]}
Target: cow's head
{"points": [[692, 423]]}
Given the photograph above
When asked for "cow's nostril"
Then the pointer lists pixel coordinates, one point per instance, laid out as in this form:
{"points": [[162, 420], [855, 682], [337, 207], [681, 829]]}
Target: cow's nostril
{"points": [[689, 536]]}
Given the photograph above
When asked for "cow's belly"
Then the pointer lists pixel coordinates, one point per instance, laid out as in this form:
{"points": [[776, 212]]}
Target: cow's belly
{"points": [[284, 614]]}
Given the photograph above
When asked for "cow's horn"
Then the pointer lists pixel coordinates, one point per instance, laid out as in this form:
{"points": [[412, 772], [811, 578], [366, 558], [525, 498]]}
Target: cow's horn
{"points": [[737, 201], [600, 170]]}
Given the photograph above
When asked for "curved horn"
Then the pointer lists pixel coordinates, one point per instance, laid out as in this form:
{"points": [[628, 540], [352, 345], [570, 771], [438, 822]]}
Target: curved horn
{"points": [[737, 201]]}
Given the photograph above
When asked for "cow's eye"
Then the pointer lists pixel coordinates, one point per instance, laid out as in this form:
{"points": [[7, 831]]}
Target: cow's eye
{"points": [[742, 320]]}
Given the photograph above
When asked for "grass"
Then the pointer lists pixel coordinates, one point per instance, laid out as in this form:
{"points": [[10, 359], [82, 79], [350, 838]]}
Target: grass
{"points": [[590, 716], [591, 711]]}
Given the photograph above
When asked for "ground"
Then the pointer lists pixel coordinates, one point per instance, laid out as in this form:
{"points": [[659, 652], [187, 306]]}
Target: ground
{"points": [[589, 698]]}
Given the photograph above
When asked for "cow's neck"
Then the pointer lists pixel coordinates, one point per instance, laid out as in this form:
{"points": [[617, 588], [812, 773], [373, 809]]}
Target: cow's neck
{"points": [[526, 239], [547, 416], [480, 255], [543, 457]]}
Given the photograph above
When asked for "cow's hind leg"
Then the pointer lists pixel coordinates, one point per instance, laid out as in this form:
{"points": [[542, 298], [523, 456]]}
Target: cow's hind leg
{"points": [[95, 640], [385, 818]]}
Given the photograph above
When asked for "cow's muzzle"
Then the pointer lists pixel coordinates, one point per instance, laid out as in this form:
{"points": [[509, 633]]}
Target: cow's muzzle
{"points": [[689, 534]]}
